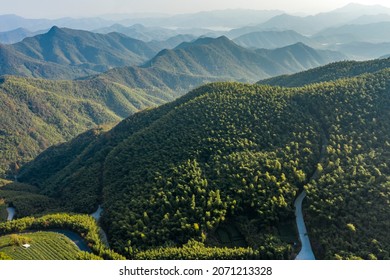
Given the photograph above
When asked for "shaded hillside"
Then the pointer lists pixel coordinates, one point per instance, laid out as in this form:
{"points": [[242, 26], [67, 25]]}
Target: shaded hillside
{"points": [[85, 49], [15, 63], [300, 57], [329, 72], [16, 35], [226, 60], [140, 32], [272, 39], [373, 33], [237, 154], [36, 114]]}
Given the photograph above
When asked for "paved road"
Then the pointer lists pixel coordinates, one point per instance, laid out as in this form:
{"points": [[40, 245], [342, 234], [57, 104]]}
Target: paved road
{"points": [[11, 213], [96, 215], [306, 252]]}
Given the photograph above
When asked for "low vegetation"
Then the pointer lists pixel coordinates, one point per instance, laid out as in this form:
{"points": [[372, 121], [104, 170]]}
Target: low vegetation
{"points": [[83, 225], [43, 246]]}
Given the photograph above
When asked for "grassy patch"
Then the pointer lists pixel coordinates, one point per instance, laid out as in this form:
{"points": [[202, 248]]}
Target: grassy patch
{"points": [[44, 246]]}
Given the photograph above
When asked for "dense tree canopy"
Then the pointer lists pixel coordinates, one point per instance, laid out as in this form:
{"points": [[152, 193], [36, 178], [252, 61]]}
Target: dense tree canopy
{"points": [[230, 154]]}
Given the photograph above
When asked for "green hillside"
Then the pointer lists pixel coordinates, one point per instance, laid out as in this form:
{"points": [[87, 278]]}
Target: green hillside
{"points": [[235, 155], [36, 114], [13, 62], [333, 71], [226, 60], [272, 39], [85, 49]]}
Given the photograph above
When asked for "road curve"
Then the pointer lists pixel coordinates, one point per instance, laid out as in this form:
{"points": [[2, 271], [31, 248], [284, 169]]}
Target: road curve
{"points": [[306, 252], [96, 215], [11, 213]]}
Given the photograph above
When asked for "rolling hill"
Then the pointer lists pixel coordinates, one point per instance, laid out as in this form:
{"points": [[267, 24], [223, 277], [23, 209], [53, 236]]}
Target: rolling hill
{"points": [[55, 111], [372, 33], [333, 71], [17, 35], [85, 49], [272, 39], [16, 63], [224, 59], [36, 113], [235, 155]]}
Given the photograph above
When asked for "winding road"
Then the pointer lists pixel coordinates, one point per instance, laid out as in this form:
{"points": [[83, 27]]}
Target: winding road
{"points": [[96, 215], [306, 252], [11, 213]]}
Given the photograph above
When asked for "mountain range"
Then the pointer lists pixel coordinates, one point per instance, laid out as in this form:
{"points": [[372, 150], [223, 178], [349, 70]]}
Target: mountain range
{"points": [[119, 92], [151, 119], [234, 155]]}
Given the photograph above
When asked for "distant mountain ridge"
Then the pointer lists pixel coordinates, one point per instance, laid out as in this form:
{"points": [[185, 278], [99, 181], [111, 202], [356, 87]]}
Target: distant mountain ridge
{"points": [[271, 39], [223, 58], [17, 35], [76, 47]]}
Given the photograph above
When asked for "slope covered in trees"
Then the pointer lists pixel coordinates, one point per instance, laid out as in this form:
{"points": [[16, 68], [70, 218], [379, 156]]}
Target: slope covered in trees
{"points": [[330, 72], [13, 62], [36, 114], [50, 112], [272, 39], [86, 49], [226, 60], [235, 154]]}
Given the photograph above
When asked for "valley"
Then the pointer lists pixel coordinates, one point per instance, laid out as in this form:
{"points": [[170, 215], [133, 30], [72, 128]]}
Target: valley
{"points": [[265, 140]]}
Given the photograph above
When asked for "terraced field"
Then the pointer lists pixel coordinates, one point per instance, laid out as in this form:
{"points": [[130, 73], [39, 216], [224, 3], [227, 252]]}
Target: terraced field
{"points": [[44, 246]]}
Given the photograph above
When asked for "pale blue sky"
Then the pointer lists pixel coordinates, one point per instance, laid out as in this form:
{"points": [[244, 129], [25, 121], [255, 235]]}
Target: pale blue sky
{"points": [[81, 8]]}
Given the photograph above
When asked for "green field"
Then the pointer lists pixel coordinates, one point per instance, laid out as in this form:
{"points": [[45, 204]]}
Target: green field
{"points": [[44, 246]]}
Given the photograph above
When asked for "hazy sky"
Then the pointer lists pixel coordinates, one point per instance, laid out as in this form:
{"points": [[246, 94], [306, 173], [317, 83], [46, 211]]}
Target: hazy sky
{"points": [[79, 8]]}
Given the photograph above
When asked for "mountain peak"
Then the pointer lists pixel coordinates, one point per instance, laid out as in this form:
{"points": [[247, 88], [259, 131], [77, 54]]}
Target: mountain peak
{"points": [[54, 30]]}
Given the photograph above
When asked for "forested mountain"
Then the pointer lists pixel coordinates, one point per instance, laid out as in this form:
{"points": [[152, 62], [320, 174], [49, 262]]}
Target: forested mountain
{"points": [[298, 57], [16, 35], [363, 50], [85, 49], [170, 74], [36, 114], [140, 32], [224, 59], [272, 39], [235, 155], [13, 62], [333, 71], [172, 42], [373, 33]]}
